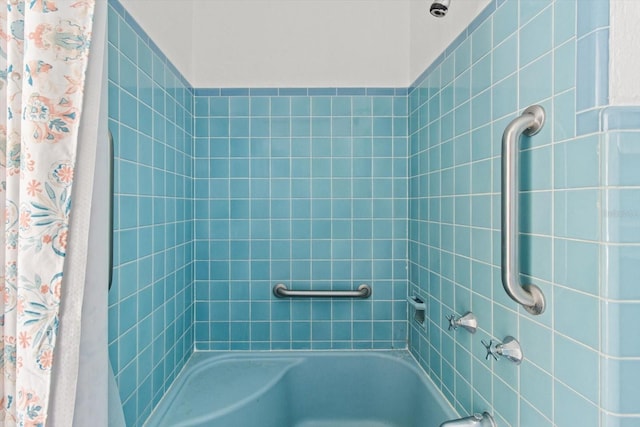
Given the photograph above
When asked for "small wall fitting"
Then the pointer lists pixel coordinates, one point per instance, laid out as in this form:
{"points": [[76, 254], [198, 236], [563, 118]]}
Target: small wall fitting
{"points": [[419, 308], [476, 420]]}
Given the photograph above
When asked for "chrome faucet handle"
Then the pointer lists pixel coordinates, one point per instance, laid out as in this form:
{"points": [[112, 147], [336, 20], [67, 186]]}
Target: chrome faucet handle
{"points": [[468, 321], [509, 349], [490, 350]]}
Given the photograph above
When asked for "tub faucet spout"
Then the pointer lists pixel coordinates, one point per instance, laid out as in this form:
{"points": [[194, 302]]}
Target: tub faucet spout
{"points": [[475, 420]]}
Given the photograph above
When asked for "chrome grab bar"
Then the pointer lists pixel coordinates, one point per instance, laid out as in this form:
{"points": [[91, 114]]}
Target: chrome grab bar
{"points": [[529, 296], [110, 160], [280, 290]]}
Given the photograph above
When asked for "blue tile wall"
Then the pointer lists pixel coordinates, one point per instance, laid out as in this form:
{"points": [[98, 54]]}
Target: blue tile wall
{"points": [[307, 187], [151, 300], [505, 61], [221, 193], [620, 258]]}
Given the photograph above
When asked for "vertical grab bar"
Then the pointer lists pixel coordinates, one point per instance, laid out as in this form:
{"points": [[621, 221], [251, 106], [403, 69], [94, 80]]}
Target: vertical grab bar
{"points": [[110, 166], [529, 296]]}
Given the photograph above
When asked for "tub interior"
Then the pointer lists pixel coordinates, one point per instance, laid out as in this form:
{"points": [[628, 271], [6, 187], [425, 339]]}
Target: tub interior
{"points": [[302, 389], [210, 389]]}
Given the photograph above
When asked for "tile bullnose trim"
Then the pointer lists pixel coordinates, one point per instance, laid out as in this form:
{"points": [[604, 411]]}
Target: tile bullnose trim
{"points": [[620, 117], [302, 91]]}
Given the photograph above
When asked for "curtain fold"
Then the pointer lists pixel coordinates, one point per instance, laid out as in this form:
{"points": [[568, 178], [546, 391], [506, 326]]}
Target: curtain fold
{"points": [[81, 358], [45, 49]]}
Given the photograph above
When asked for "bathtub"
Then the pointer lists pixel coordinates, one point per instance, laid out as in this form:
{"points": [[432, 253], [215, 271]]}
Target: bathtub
{"points": [[302, 389]]}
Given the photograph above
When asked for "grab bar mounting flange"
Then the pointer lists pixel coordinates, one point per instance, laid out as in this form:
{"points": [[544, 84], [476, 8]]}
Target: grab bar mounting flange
{"points": [[537, 121]]}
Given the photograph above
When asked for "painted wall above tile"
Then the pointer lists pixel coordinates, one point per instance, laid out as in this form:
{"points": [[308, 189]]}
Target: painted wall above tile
{"points": [[625, 54], [314, 43], [311, 43], [282, 43]]}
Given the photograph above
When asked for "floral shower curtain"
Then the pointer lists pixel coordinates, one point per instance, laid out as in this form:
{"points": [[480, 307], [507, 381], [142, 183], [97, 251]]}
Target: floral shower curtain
{"points": [[44, 52]]}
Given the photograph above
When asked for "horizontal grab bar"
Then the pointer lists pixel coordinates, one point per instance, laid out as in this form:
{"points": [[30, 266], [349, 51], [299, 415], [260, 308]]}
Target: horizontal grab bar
{"points": [[280, 290], [529, 296]]}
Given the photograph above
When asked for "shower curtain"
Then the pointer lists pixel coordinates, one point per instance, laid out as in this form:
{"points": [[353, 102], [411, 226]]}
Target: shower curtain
{"points": [[45, 48]]}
